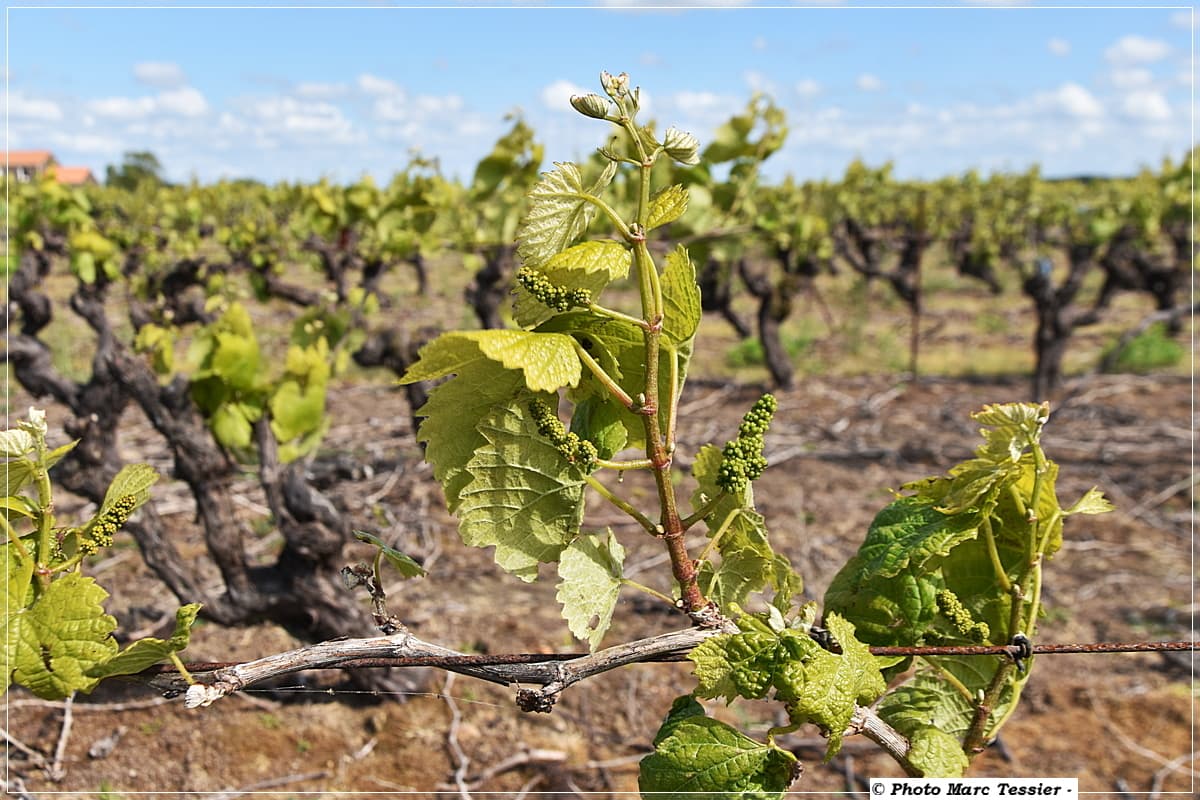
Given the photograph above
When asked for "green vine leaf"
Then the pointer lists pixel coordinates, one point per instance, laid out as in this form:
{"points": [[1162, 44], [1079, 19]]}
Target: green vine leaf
{"points": [[935, 754], [523, 497], [149, 651], [975, 484], [888, 588], [1011, 523], [740, 664], [557, 214], [62, 637], [489, 369], [825, 687], [909, 532], [705, 758], [589, 572], [297, 405], [1010, 429], [1092, 502], [681, 298], [599, 420], [18, 472], [887, 611], [449, 429], [547, 361], [667, 205], [15, 443], [16, 475], [232, 426], [133, 479], [18, 591], [744, 567], [930, 700]]}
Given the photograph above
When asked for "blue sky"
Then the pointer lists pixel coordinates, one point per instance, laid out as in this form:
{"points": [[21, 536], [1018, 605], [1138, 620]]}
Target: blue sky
{"points": [[297, 93]]}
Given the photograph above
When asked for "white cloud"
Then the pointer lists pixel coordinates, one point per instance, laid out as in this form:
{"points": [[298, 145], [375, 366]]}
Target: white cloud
{"points": [[85, 142], [868, 83], [317, 90], [649, 59], [159, 74], [639, 5], [1146, 106], [808, 88], [1131, 77], [228, 123], [1071, 99], [759, 43], [122, 107], [759, 82], [1184, 19], [471, 126], [187, 102], [697, 102], [373, 84], [557, 95], [21, 106], [1059, 47], [305, 119], [393, 107], [447, 104], [1136, 50]]}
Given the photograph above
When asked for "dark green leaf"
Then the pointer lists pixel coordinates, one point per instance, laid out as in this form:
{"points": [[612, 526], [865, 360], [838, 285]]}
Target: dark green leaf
{"points": [[699, 757]]}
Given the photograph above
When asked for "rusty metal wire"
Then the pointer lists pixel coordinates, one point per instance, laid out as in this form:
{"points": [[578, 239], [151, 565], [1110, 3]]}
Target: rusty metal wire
{"points": [[538, 658]]}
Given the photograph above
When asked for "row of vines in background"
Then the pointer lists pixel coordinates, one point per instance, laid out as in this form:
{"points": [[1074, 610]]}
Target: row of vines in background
{"points": [[773, 241], [172, 282]]}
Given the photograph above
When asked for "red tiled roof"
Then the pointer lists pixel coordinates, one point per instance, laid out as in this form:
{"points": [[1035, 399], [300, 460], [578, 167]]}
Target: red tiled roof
{"points": [[29, 158], [73, 175]]}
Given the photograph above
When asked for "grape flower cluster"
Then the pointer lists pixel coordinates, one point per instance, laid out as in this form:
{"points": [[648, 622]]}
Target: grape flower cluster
{"points": [[960, 617], [100, 532], [575, 450], [549, 295], [742, 459]]}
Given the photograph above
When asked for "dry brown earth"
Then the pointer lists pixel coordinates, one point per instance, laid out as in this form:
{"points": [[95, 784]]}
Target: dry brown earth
{"points": [[1115, 721]]}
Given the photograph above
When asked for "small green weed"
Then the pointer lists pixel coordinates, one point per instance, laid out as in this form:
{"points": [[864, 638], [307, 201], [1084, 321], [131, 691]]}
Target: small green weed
{"points": [[992, 323], [749, 352], [1151, 350], [151, 727], [106, 792]]}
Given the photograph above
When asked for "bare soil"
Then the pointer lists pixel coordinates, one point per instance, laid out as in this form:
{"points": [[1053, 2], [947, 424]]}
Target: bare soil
{"points": [[1117, 722]]}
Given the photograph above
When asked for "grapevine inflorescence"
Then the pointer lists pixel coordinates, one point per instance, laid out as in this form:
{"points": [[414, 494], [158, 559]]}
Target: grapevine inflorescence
{"points": [[549, 295], [575, 450], [960, 617], [100, 532], [742, 459]]}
